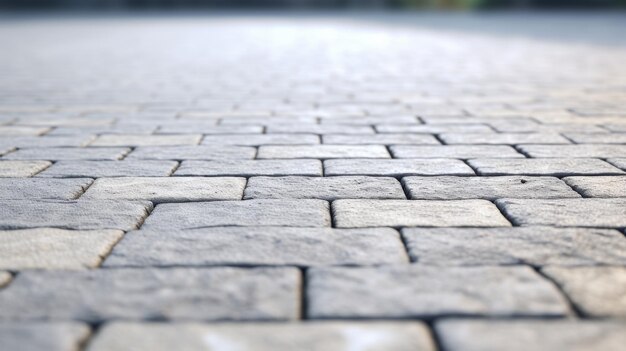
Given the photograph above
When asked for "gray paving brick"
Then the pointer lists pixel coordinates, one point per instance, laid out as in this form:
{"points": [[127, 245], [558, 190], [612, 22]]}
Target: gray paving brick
{"points": [[566, 212], [195, 127], [325, 188], [22, 168], [128, 128], [369, 120], [38, 336], [320, 129], [39, 188], [503, 138], [49, 248], [384, 139], [516, 125], [547, 167], [595, 291], [330, 336], [102, 214], [259, 246], [261, 139], [58, 120], [323, 151], [47, 141], [618, 162], [570, 151], [202, 152], [101, 169], [454, 151], [249, 168], [266, 121], [480, 335], [598, 186], [175, 294], [22, 130], [489, 188], [597, 138], [396, 167], [146, 140], [294, 213], [68, 154], [166, 189], [537, 246], [421, 292], [408, 213], [433, 128]]}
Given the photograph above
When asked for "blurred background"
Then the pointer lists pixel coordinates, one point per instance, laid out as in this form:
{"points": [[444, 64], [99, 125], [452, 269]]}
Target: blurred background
{"points": [[353, 4]]}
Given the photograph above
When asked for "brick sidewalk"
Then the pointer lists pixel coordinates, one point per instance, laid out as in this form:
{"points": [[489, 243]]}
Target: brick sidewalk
{"points": [[331, 184]]}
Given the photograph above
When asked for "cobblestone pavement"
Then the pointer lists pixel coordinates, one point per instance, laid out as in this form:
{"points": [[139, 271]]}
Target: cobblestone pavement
{"points": [[327, 183]]}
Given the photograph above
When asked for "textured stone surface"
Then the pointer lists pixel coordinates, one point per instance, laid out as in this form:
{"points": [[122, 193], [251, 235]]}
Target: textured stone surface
{"points": [[325, 188], [259, 246], [503, 138], [261, 139], [597, 138], [319, 129], [68, 153], [49, 248], [598, 186], [38, 336], [202, 152], [571, 151], [22, 130], [45, 141], [595, 291], [385, 139], [566, 212], [101, 214], [328, 336], [295, 213], [454, 151], [166, 189], [250, 168], [408, 213], [396, 168], [553, 167], [537, 246], [146, 140], [37, 188], [323, 151], [418, 292], [490, 188], [101, 169], [618, 162], [174, 294], [196, 127], [432, 129], [477, 335]]}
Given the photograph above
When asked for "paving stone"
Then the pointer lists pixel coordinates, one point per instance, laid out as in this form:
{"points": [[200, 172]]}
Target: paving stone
{"points": [[537, 335], [618, 162], [61, 336], [49, 248], [503, 138], [566, 212], [433, 129], [294, 213], [325, 188], [517, 125], [47, 141], [202, 152], [454, 151], [597, 138], [547, 167], [250, 168], [195, 127], [38, 188], [261, 139], [102, 214], [146, 140], [595, 291], [22, 130], [396, 167], [259, 246], [57, 121], [166, 189], [265, 121], [128, 128], [174, 294], [69, 154], [421, 292], [384, 139], [369, 120], [328, 336], [323, 151], [319, 129], [101, 169], [409, 213], [489, 188], [598, 186], [537, 246], [22, 168], [570, 151]]}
